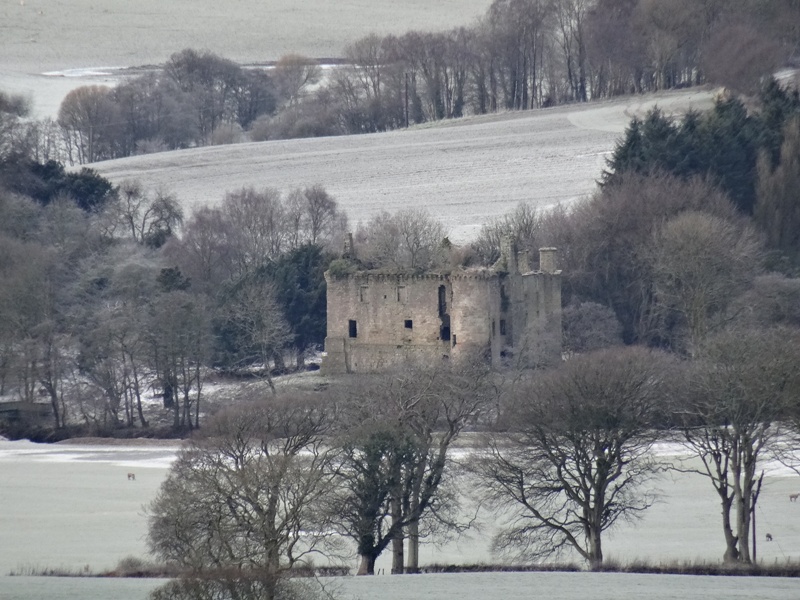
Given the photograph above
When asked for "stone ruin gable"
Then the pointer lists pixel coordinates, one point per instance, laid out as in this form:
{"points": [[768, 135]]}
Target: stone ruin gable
{"points": [[379, 320]]}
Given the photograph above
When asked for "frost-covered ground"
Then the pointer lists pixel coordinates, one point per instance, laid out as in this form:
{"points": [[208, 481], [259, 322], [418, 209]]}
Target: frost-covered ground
{"points": [[71, 505], [464, 171], [467, 586], [46, 44]]}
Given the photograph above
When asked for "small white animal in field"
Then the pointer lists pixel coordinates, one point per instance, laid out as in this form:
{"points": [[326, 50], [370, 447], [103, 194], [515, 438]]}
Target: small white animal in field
{"points": [[131, 476], [794, 497], [769, 537]]}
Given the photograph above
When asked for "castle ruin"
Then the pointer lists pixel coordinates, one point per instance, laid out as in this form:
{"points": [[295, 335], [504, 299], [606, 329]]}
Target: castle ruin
{"points": [[377, 321]]}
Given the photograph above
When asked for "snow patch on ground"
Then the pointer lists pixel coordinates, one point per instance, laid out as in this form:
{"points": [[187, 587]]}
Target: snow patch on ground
{"points": [[464, 172]]}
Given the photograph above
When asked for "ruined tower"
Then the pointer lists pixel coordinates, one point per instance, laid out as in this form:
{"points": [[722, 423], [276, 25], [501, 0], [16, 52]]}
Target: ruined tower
{"points": [[376, 321]]}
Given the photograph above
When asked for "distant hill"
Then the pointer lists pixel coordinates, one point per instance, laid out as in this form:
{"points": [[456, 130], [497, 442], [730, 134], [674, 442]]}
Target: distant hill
{"points": [[463, 171]]}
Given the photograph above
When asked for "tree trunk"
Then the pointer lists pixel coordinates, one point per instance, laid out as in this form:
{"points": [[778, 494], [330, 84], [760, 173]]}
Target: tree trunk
{"points": [[595, 549], [731, 541], [413, 526], [55, 404], [594, 531], [168, 394], [367, 565], [743, 513], [137, 390], [398, 558], [413, 547]]}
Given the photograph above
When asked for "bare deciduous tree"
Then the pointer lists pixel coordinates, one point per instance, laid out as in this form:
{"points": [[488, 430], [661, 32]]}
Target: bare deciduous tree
{"points": [[772, 300], [738, 392], [395, 461], [523, 226], [407, 239], [576, 454], [254, 320], [177, 333], [256, 219], [204, 250], [699, 263], [239, 506], [605, 254], [738, 56], [150, 220], [293, 74], [88, 116]]}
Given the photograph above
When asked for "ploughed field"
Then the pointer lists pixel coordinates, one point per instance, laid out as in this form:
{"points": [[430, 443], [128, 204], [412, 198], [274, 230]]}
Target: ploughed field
{"points": [[464, 171]]}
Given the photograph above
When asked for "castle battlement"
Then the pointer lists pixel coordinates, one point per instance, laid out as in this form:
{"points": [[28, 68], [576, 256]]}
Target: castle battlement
{"points": [[377, 319]]}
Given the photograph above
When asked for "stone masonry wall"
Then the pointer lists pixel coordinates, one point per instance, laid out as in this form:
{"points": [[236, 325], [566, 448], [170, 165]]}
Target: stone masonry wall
{"points": [[377, 321]]}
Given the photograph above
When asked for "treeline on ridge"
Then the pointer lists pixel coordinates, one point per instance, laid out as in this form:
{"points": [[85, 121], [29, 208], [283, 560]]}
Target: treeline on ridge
{"points": [[522, 54]]}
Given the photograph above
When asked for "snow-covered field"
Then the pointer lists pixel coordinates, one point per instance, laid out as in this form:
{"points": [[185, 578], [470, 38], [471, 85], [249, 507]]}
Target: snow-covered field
{"points": [[48, 47], [71, 505], [463, 172], [470, 586]]}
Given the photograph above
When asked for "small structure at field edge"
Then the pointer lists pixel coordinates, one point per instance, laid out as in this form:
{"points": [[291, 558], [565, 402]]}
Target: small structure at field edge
{"points": [[379, 320]]}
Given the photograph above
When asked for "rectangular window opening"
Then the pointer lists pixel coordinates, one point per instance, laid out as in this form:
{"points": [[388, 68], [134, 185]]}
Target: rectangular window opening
{"points": [[409, 324], [494, 332], [402, 294], [454, 339], [444, 334], [353, 328], [362, 293]]}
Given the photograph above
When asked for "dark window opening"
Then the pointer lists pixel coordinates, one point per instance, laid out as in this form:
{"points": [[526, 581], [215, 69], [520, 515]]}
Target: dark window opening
{"points": [[502, 326], [442, 300], [444, 334], [454, 339], [353, 326], [409, 324]]}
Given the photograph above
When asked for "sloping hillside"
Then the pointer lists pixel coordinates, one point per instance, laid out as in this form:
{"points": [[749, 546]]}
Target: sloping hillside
{"points": [[464, 172], [75, 42]]}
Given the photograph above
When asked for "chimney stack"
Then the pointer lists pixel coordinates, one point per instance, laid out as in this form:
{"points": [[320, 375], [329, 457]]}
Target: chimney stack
{"points": [[547, 260], [522, 262], [349, 250]]}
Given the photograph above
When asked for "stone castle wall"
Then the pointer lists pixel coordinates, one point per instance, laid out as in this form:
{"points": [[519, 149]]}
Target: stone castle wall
{"points": [[378, 320]]}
